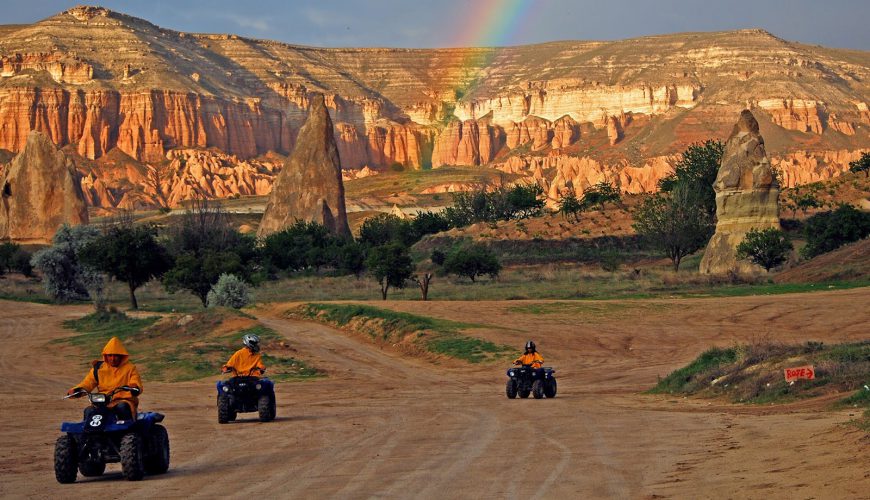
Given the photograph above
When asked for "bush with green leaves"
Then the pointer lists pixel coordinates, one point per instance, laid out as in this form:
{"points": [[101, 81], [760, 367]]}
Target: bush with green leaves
{"points": [[676, 223], [830, 230], [768, 248], [390, 265], [229, 291], [65, 276], [14, 258], [491, 205], [299, 246], [861, 164], [697, 169], [429, 223], [471, 261]]}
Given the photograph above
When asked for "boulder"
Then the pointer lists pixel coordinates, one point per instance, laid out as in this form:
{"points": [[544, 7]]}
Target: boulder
{"points": [[746, 198], [41, 190], [309, 187]]}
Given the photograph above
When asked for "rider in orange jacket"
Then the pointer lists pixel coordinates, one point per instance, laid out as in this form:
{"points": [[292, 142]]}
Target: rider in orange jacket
{"points": [[247, 361], [531, 357], [114, 371]]}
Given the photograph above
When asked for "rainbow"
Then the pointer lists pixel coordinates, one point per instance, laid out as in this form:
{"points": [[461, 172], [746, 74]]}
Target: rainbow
{"points": [[490, 24]]}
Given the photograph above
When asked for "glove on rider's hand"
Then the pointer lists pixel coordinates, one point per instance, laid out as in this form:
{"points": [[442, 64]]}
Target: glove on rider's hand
{"points": [[135, 391], [72, 391]]}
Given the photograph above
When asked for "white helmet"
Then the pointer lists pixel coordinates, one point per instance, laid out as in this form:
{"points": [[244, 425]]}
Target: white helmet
{"points": [[252, 342]]}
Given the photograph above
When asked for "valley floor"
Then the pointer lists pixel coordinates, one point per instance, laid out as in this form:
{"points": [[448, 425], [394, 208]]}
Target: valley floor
{"points": [[384, 425]]}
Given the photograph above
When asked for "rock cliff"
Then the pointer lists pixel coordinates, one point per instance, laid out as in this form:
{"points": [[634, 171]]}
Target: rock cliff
{"points": [[746, 198], [39, 191], [309, 187], [97, 81]]}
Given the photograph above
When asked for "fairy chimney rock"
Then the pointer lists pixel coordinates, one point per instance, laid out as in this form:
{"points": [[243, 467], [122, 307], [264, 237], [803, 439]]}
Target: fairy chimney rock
{"points": [[746, 198], [309, 186], [41, 190]]}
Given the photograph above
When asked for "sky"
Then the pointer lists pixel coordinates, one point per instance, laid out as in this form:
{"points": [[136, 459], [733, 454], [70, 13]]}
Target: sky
{"points": [[462, 23]]}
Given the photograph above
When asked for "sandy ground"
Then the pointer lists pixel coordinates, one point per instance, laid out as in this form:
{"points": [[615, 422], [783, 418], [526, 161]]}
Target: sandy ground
{"points": [[389, 427]]}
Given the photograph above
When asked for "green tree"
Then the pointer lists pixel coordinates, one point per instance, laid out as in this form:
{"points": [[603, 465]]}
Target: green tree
{"points": [[204, 246], [697, 169], [570, 207], [675, 223], [471, 261], [386, 228], [299, 246], [390, 265], [130, 254], [766, 247], [598, 195], [14, 258], [861, 164], [428, 223], [830, 230]]}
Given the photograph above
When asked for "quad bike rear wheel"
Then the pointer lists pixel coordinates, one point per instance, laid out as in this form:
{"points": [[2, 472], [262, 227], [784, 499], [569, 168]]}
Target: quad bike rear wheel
{"points": [[511, 389], [538, 389], [266, 408], [550, 388], [92, 469], [132, 457], [65, 458], [157, 460]]}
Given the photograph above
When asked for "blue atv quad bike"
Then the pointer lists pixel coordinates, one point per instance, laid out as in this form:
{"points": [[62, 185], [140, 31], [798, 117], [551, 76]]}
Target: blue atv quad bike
{"points": [[525, 380], [245, 394], [141, 444]]}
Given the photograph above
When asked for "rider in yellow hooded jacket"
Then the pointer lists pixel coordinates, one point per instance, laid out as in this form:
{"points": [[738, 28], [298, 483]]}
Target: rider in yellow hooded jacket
{"points": [[247, 361], [113, 371]]}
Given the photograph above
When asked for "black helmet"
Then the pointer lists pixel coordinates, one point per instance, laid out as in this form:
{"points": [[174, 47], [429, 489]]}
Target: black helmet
{"points": [[252, 342], [530, 345]]}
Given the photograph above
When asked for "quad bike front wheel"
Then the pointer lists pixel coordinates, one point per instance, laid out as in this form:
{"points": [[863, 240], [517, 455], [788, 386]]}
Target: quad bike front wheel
{"points": [[132, 457], [65, 458], [157, 460], [266, 408], [510, 389], [225, 412], [550, 388], [524, 393], [538, 389]]}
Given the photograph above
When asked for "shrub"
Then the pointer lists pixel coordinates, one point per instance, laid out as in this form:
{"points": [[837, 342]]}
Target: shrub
{"points": [[65, 276], [767, 247], [386, 228], [229, 291], [861, 165], [570, 207], [598, 195], [830, 230], [14, 258], [428, 223]]}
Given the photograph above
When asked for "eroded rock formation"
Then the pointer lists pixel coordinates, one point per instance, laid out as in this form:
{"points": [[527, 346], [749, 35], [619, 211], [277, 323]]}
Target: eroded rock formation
{"points": [[746, 198], [39, 191], [310, 186]]}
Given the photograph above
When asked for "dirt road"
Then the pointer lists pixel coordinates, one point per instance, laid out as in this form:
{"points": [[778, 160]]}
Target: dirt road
{"points": [[389, 427]]}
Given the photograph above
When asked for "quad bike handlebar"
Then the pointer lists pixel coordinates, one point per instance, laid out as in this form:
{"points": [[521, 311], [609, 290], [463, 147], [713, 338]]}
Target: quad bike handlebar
{"points": [[250, 372], [81, 392]]}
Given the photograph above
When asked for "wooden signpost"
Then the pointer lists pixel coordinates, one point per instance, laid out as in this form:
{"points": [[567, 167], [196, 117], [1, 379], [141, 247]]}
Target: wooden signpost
{"points": [[800, 372]]}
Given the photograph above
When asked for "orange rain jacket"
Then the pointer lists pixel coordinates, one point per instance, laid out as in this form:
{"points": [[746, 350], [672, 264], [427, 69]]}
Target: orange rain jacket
{"points": [[109, 378], [243, 361], [534, 359]]}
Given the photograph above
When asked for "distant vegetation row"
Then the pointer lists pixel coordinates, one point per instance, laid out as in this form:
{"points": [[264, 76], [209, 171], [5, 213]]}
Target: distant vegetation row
{"points": [[204, 255]]}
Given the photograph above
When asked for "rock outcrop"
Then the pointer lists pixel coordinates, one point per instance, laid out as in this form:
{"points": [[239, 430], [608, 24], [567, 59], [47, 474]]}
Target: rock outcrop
{"points": [[40, 192], [310, 186], [746, 198]]}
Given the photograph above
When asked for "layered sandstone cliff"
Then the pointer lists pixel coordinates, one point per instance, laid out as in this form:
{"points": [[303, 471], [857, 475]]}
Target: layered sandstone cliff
{"points": [[97, 81], [39, 191]]}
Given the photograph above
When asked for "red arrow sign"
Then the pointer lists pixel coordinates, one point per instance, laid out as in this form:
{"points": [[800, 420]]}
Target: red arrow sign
{"points": [[800, 372]]}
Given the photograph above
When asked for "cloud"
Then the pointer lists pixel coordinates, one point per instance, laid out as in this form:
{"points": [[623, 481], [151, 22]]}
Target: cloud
{"points": [[256, 23]]}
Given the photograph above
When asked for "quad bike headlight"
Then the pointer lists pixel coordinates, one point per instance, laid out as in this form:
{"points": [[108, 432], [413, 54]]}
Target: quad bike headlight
{"points": [[98, 398], [511, 374], [225, 389], [259, 386]]}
